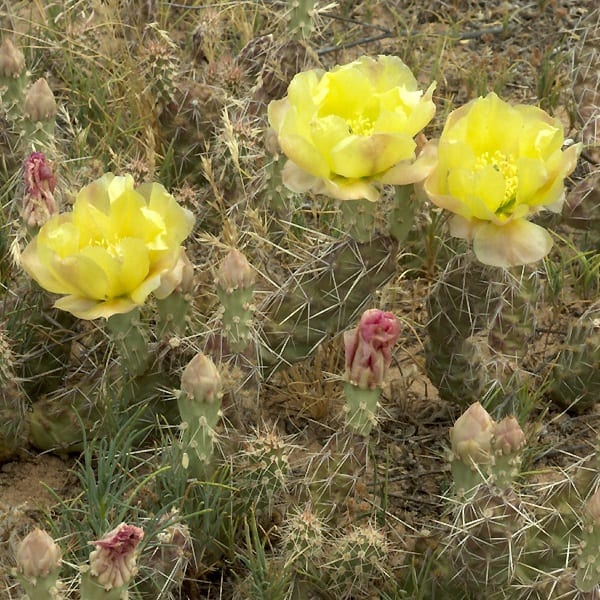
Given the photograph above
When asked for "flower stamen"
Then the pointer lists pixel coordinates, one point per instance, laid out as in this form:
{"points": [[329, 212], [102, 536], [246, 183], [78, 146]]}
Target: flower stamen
{"points": [[505, 165], [361, 125]]}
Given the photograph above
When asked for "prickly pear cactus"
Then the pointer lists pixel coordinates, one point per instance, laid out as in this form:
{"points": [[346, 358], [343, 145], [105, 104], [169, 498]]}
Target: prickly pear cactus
{"points": [[13, 402], [235, 286], [303, 537], [322, 298], [262, 467], [576, 373], [488, 537], [478, 316], [357, 560], [457, 311], [159, 63]]}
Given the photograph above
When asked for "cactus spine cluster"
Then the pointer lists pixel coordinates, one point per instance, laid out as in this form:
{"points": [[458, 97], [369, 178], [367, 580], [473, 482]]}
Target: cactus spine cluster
{"points": [[130, 337]]}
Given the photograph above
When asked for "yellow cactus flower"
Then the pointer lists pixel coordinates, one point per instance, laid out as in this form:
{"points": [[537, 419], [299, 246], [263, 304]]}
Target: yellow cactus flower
{"points": [[350, 129], [118, 245], [498, 164]]}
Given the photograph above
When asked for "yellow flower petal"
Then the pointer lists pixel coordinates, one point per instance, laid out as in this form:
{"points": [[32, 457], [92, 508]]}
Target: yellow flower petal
{"points": [[519, 242], [493, 125], [296, 179], [412, 172], [365, 156], [532, 176], [38, 265], [84, 308], [348, 189], [337, 84], [87, 277]]}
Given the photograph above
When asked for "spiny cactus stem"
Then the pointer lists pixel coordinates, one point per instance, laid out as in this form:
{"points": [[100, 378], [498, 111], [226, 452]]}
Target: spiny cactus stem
{"points": [[358, 219], [92, 590], [302, 11], [361, 408], [505, 469], [403, 213], [129, 338], [42, 588], [174, 313], [467, 478]]}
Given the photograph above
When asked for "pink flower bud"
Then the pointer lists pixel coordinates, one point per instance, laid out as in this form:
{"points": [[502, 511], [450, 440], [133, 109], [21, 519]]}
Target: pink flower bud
{"points": [[37, 555], [113, 561], [39, 203], [39, 102], [12, 60], [369, 348], [201, 379], [471, 436], [235, 272], [508, 436]]}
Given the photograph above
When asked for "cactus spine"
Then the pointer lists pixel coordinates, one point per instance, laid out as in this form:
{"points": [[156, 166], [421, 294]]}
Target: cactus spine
{"points": [[320, 299], [13, 402], [479, 318], [588, 554], [358, 560]]}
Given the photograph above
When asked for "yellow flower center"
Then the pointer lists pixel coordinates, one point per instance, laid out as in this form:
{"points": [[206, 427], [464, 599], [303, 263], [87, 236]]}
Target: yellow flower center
{"points": [[505, 165], [360, 125], [111, 246]]}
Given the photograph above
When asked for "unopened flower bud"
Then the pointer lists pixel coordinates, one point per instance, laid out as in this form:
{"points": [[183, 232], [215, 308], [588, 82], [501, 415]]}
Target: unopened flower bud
{"points": [[369, 348], [113, 563], [471, 436], [508, 436], [179, 278], [37, 555], [12, 60], [201, 379], [39, 203], [40, 104], [235, 272]]}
